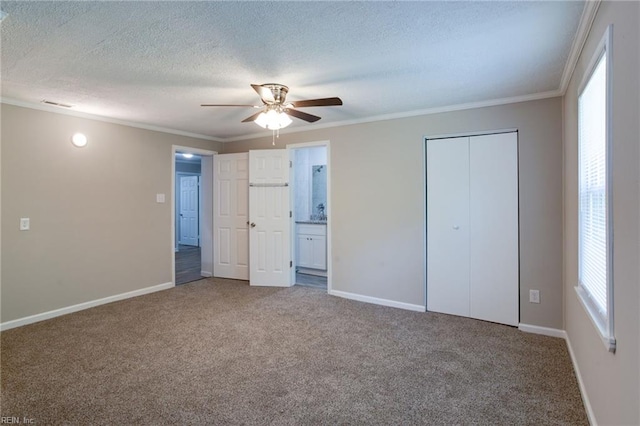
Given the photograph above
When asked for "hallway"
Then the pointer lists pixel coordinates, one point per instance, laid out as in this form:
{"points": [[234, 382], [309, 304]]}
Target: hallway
{"points": [[188, 264]]}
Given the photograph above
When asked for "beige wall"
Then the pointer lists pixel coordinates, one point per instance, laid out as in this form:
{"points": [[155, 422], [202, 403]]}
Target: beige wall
{"points": [[611, 381], [377, 201], [96, 229]]}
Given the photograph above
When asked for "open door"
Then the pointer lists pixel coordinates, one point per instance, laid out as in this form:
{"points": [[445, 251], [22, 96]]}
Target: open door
{"points": [[269, 217], [231, 216]]}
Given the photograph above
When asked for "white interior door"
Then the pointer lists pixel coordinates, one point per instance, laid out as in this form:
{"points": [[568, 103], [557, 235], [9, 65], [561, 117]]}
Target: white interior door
{"points": [[189, 210], [269, 234], [231, 216], [448, 226], [493, 238]]}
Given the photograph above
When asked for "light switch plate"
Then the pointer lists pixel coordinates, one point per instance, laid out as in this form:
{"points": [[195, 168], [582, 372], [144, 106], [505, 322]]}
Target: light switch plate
{"points": [[24, 223], [534, 296], [159, 198]]}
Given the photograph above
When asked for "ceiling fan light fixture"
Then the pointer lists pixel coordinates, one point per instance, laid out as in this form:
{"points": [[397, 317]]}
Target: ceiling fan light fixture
{"points": [[277, 112], [284, 120], [273, 120]]}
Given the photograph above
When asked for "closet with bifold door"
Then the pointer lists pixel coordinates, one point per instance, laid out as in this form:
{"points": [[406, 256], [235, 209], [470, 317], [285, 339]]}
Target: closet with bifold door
{"points": [[472, 227]]}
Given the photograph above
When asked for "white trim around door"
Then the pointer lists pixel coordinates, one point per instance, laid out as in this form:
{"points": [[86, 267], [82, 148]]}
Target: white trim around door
{"points": [[326, 144], [206, 242]]}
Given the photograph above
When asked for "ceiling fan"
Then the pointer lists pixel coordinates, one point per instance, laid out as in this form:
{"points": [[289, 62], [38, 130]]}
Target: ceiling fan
{"points": [[276, 111]]}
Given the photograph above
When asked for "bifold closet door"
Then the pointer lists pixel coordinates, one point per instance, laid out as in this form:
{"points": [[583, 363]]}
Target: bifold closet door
{"points": [[448, 226], [472, 227], [493, 228]]}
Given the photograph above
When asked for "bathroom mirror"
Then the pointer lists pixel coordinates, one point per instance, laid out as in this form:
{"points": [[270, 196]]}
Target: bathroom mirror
{"points": [[318, 192]]}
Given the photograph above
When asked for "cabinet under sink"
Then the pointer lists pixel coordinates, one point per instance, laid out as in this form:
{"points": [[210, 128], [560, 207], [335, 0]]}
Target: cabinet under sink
{"points": [[311, 247]]}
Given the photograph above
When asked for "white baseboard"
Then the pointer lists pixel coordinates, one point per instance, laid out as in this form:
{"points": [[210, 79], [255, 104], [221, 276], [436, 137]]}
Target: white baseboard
{"points": [[377, 301], [206, 274], [82, 306], [545, 331], [583, 391]]}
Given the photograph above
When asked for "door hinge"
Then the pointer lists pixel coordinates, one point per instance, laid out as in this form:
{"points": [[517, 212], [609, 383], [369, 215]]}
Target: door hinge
{"points": [[290, 213], [290, 164], [291, 264]]}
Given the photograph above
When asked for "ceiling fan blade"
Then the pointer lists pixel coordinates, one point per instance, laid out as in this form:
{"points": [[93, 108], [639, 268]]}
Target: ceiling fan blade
{"points": [[317, 102], [302, 115], [229, 105], [264, 93], [252, 118]]}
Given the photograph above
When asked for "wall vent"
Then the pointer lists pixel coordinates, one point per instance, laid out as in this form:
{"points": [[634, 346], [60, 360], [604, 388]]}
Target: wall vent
{"points": [[58, 104]]}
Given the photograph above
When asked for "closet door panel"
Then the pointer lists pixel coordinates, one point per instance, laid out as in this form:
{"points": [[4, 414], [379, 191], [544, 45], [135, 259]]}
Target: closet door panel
{"points": [[493, 237], [448, 226]]}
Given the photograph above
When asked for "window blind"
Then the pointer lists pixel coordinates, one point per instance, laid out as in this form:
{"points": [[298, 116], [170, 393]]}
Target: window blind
{"points": [[593, 196]]}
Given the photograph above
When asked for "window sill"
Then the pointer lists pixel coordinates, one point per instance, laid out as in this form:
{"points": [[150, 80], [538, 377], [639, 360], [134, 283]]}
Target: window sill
{"points": [[608, 341]]}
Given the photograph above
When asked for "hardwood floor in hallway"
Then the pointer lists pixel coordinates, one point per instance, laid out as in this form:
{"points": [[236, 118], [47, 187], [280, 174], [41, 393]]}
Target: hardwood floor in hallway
{"points": [[188, 264], [308, 280]]}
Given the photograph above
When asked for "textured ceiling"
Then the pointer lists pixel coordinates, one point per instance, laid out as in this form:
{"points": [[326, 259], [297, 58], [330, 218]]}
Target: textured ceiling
{"points": [[154, 63]]}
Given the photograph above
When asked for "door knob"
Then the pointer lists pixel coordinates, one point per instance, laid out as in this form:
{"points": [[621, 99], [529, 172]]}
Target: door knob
{"points": [[456, 227], [253, 225]]}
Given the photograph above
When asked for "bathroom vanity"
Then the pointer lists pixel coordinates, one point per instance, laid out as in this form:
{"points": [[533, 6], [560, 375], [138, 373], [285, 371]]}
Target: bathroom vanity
{"points": [[311, 252]]}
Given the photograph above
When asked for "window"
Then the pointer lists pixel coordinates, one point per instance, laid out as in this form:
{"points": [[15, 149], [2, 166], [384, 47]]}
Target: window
{"points": [[595, 283]]}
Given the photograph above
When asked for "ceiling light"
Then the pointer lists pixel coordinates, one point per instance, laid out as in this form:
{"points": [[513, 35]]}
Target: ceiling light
{"points": [[187, 155], [79, 140], [273, 120]]}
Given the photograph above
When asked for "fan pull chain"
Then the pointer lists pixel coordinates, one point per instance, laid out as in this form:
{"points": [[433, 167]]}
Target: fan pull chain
{"points": [[275, 134]]}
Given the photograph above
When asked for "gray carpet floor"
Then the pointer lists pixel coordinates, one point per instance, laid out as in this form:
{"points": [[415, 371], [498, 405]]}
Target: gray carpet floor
{"points": [[220, 352]]}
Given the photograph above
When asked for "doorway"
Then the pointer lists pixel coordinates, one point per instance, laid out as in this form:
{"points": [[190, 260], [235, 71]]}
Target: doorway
{"points": [[192, 214], [310, 210]]}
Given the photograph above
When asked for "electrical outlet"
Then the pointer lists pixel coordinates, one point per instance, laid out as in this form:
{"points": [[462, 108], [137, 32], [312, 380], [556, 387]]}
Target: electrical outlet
{"points": [[534, 296], [24, 224]]}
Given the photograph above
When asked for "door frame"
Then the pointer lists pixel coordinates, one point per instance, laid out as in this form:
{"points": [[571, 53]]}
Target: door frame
{"points": [[290, 148], [206, 245]]}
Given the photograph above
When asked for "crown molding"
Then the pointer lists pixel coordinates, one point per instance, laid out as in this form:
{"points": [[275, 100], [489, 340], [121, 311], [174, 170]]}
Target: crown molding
{"points": [[57, 110], [584, 27], [384, 117], [408, 114]]}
